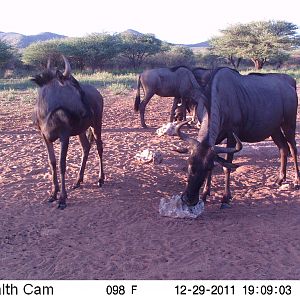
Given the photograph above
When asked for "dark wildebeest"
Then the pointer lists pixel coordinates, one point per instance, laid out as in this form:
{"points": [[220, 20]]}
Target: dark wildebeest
{"points": [[180, 106], [252, 107], [175, 82], [179, 109], [202, 75], [66, 108]]}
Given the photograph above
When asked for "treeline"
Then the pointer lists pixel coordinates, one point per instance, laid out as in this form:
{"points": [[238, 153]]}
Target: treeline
{"points": [[253, 44], [101, 52]]}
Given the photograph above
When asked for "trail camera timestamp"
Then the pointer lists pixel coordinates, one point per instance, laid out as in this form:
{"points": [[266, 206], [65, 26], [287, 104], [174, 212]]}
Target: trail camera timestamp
{"points": [[267, 289], [202, 290], [234, 289]]}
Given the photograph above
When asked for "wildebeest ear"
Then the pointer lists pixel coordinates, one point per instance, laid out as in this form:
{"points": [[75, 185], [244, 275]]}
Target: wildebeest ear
{"points": [[38, 80]]}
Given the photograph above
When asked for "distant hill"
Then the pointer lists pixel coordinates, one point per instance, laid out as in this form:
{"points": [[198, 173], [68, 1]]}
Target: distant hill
{"points": [[132, 32], [22, 41], [199, 45]]}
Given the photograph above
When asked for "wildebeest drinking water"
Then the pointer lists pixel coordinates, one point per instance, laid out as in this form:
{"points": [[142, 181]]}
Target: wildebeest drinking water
{"points": [[65, 108], [178, 82], [246, 107]]}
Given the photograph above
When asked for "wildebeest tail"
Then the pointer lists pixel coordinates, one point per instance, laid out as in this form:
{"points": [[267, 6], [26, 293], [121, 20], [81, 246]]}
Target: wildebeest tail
{"points": [[138, 95]]}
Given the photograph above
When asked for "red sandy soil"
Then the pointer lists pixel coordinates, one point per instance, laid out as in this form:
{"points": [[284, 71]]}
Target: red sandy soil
{"points": [[116, 232]]}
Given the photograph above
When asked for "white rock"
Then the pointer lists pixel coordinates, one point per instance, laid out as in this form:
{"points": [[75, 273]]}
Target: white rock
{"points": [[147, 156], [284, 187], [166, 129], [174, 208]]}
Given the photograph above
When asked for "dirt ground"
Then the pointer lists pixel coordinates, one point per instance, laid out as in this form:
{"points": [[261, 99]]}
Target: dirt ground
{"points": [[116, 232]]}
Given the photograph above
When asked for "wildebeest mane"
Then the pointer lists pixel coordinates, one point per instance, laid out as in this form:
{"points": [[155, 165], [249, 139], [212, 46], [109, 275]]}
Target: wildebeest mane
{"points": [[213, 74], [76, 84], [200, 68], [174, 69], [207, 88], [259, 74]]}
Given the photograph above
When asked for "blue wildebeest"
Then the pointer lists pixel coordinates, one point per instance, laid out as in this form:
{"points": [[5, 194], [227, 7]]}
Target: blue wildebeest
{"points": [[180, 106], [249, 108], [175, 82], [65, 108]]}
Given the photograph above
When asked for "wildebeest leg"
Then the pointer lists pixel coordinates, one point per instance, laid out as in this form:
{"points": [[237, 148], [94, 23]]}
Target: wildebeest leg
{"points": [[142, 108], [174, 106], [52, 163], [206, 189], [64, 144], [184, 108], [281, 143], [194, 108], [86, 146], [290, 136], [227, 197], [99, 144]]}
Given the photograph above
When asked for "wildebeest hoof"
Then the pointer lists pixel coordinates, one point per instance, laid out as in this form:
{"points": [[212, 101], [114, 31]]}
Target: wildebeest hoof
{"points": [[205, 195], [76, 185], [51, 199], [100, 182], [225, 205], [62, 206], [279, 182]]}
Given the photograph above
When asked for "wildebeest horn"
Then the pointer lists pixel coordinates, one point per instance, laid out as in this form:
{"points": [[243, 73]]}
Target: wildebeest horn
{"points": [[225, 163], [237, 148], [49, 63], [184, 136], [67, 71]]}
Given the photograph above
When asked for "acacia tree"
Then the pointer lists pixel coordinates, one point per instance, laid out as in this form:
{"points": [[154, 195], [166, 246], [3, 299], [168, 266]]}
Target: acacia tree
{"points": [[257, 41], [75, 50], [227, 45], [100, 49], [37, 54], [92, 51], [6, 53], [181, 55], [137, 47]]}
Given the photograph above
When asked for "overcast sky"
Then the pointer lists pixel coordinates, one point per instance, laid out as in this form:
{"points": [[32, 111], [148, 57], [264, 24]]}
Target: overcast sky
{"points": [[177, 21]]}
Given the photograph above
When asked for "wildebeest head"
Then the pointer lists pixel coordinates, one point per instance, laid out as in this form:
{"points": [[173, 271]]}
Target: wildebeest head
{"points": [[200, 162], [48, 75], [59, 90], [59, 87]]}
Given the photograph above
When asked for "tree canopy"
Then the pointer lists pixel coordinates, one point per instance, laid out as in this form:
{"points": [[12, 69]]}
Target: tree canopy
{"points": [[6, 53], [257, 41], [95, 51], [37, 54], [137, 47]]}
